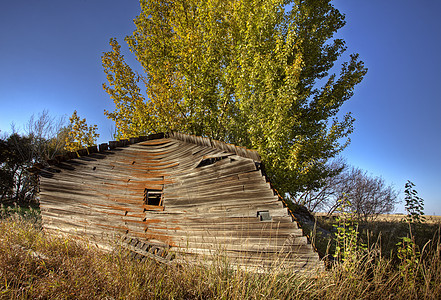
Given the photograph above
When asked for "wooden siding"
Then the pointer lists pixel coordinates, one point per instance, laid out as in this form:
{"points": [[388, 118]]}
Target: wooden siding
{"points": [[211, 195]]}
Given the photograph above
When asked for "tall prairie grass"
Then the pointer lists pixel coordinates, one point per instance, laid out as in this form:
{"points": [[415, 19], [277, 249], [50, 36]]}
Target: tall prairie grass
{"points": [[37, 265]]}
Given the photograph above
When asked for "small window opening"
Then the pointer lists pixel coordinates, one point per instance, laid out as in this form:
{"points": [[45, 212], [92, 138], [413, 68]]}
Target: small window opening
{"points": [[264, 215], [153, 197], [207, 160]]}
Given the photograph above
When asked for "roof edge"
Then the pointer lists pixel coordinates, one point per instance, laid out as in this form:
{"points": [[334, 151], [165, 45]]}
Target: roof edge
{"points": [[205, 141], [102, 148]]}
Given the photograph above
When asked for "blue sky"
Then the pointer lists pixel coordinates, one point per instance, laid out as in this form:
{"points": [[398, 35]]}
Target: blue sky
{"points": [[50, 59]]}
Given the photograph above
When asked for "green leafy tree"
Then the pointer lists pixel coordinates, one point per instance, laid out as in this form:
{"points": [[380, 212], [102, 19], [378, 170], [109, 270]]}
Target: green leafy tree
{"points": [[253, 73], [80, 135]]}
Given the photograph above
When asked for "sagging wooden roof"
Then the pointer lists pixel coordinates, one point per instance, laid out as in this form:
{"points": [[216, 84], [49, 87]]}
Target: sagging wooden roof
{"points": [[174, 196]]}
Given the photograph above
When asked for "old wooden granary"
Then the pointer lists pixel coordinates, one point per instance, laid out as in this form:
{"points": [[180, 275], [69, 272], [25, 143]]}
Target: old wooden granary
{"points": [[174, 196]]}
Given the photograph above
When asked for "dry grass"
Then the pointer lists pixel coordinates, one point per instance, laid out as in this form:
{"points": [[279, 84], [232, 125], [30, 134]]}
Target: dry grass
{"points": [[36, 265]]}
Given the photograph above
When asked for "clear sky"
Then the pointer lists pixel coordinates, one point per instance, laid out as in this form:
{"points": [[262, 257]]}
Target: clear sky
{"points": [[50, 59]]}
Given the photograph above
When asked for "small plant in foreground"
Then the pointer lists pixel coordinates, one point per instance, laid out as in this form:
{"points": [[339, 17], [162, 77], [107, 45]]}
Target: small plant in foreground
{"points": [[407, 250], [348, 248], [409, 255], [414, 205]]}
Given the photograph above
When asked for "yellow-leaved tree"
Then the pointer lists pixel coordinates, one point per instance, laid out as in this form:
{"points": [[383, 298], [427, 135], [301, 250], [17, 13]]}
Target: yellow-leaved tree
{"points": [[80, 135], [250, 72]]}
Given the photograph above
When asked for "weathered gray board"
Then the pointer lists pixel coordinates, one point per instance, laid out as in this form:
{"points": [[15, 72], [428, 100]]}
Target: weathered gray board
{"points": [[214, 198]]}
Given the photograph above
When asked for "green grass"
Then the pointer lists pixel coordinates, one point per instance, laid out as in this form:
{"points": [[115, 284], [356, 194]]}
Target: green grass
{"points": [[37, 265]]}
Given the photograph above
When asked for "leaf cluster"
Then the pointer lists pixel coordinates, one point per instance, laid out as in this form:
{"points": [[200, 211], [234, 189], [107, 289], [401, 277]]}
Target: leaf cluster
{"points": [[79, 134]]}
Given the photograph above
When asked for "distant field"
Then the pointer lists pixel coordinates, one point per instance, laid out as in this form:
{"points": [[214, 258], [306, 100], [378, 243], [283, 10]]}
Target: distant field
{"points": [[395, 217], [398, 217]]}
